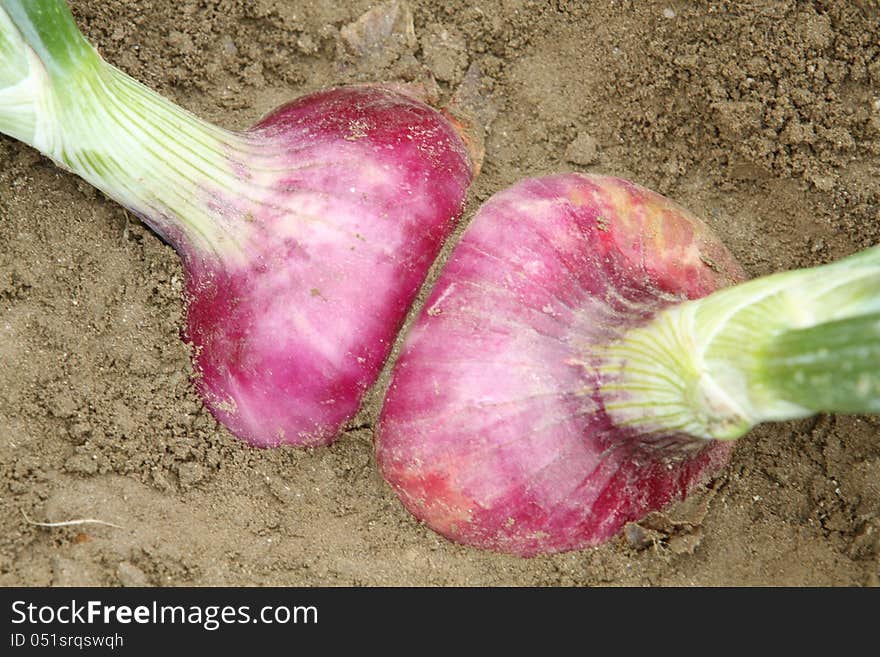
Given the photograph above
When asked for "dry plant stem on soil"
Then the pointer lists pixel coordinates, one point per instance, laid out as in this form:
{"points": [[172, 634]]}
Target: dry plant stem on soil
{"points": [[578, 364], [68, 523], [305, 239]]}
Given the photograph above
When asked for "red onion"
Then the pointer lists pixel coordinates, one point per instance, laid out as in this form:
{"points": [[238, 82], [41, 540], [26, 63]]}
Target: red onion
{"points": [[559, 383], [304, 239]]}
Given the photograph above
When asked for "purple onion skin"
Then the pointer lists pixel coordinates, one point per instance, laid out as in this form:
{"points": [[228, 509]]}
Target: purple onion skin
{"points": [[287, 341], [493, 432]]}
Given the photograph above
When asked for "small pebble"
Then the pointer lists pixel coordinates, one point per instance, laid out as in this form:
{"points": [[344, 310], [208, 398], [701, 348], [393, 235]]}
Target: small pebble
{"points": [[636, 536]]}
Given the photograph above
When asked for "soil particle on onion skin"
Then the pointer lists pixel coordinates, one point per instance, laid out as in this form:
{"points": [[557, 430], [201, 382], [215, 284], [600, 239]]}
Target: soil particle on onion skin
{"points": [[761, 117]]}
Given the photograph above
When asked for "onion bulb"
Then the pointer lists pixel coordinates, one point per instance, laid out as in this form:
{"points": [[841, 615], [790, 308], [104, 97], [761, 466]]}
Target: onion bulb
{"points": [[588, 354]]}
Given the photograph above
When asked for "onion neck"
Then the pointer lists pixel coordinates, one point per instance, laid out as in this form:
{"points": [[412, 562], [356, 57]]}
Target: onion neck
{"points": [[189, 180], [780, 347]]}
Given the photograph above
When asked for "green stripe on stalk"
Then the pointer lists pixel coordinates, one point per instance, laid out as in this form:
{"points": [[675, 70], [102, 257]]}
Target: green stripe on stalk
{"points": [[780, 347], [49, 28], [835, 365], [142, 150], [13, 59], [17, 116]]}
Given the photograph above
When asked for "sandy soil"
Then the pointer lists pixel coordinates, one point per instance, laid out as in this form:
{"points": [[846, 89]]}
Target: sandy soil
{"points": [[763, 117]]}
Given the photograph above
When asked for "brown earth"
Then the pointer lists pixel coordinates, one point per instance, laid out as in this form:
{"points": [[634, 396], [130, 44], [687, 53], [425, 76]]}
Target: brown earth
{"points": [[763, 117]]}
